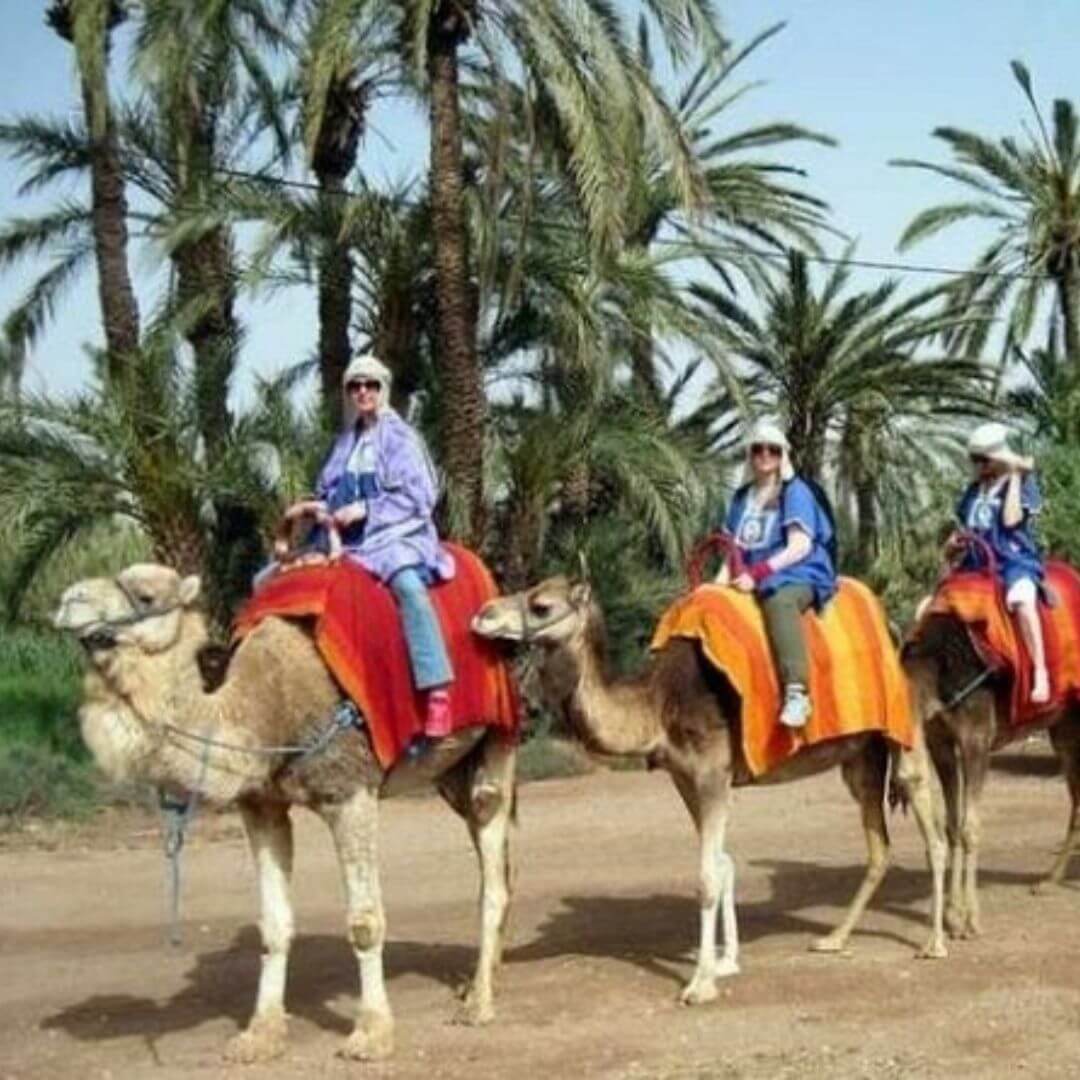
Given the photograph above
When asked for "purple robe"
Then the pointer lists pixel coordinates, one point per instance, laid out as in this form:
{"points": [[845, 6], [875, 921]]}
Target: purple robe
{"points": [[398, 529]]}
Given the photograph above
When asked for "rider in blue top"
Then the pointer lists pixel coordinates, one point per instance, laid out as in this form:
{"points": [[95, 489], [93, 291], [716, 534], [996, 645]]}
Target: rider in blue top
{"points": [[999, 506], [785, 538]]}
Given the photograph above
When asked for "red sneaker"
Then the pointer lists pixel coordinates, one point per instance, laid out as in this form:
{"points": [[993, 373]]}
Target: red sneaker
{"points": [[437, 722]]}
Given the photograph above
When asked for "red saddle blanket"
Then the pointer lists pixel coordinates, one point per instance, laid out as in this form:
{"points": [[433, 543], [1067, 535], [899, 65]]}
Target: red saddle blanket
{"points": [[977, 599], [856, 682], [358, 632]]}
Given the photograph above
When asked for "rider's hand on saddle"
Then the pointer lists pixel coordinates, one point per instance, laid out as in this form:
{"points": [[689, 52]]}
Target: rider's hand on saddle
{"points": [[315, 508], [349, 515], [744, 582]]}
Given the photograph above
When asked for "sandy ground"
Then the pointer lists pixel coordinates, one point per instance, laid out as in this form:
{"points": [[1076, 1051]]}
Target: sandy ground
{"points": [[603, 927]]}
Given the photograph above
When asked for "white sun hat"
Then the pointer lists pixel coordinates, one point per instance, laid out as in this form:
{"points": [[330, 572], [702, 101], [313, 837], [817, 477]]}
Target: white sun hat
{"points": [[770, 433], [991, 440]]}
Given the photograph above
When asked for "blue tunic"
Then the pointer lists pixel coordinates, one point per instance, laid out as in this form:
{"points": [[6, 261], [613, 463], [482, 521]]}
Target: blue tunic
{"points": [[760, 532], [1017, 554]]}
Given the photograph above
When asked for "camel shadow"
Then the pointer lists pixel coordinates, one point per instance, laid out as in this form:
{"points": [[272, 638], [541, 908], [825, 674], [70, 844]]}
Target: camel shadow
{"points": [[1025, 763], [222, 983], [658, 933]]}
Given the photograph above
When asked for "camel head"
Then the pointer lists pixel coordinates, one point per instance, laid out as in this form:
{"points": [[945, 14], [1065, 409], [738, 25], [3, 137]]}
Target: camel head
{"points": [[552, 613], [140, 609]]}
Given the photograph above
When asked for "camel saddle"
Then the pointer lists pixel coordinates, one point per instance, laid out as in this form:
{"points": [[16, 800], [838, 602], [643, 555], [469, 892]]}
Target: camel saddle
{"points": [[976, 598], [856, 682], [357, 629]]}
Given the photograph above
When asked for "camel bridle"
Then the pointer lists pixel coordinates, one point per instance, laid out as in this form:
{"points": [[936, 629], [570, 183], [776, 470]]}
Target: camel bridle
{"points": [[529, 632], [100, 633]]}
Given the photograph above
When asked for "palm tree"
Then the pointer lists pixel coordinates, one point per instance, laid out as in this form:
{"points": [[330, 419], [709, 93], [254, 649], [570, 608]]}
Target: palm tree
{"points": [[578, 57], [88, 24], [1028, 189], [851, 373]]}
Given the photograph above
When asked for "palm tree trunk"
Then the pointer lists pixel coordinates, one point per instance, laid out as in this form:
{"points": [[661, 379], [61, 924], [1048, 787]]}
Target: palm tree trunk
{"points": [[337, 144], [206, 289], [1069, 297], [119, 309], [459, 369], [867, 535], [335, 307]]}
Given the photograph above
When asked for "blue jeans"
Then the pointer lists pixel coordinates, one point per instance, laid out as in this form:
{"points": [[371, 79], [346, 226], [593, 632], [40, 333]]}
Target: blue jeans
{"points": [[423, 635]]}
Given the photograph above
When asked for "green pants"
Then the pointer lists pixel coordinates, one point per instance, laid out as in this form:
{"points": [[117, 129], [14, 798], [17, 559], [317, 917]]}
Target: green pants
{"points": [[781, 611]]}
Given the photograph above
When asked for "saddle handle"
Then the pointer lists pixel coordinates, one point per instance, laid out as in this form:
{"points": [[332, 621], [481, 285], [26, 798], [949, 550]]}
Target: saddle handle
{"points": [[285, 534], [715, 543], [964, 540]]}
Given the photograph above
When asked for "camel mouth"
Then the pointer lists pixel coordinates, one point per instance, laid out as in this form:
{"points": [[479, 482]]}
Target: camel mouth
{"points": [[97, 639]]}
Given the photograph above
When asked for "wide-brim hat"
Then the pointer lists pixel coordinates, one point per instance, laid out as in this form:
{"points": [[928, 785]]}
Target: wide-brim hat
{"points": [[992, 440]]}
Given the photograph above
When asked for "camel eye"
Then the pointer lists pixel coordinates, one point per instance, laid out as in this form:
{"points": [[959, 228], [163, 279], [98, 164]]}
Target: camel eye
{"points": [[144, 600], [540, 607]]}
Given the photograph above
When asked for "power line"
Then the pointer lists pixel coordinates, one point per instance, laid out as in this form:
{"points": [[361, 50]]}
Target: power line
{"points": [[763, 253]]}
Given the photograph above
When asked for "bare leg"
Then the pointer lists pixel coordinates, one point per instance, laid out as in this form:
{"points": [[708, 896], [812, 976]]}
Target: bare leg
{"points": [[1027, 616], [491, 807], [864, 776], [1065, 736], [354, 825], [912, 773], [707, 796], [269, 833]]}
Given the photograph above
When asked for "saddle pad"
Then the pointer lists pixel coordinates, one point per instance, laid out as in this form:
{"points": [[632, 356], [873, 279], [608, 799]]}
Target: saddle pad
{"points": [[977, 599], [856, 682], [358, 633]]}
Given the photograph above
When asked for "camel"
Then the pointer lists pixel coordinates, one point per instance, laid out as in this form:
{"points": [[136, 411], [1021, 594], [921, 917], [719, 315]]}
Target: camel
{"points": [[963, 718], [145, 711], [682, 715]]}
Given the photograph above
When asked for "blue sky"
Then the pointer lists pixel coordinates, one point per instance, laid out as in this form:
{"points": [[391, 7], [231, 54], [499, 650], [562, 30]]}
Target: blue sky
{"points": [[878, 75]]}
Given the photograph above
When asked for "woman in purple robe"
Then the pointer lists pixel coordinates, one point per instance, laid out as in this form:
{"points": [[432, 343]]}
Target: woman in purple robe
{"points": [[379, 486]]}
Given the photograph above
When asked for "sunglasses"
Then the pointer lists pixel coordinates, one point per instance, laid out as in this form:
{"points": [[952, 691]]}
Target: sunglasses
{"points": [[765, 448], [364, 384]]}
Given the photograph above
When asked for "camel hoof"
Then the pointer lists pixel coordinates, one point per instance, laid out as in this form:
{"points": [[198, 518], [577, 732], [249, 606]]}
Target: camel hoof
{"points": [[830, 944], [726, 967], [699, 993], [955, 921], [372, 1039], [934, 949], [262, 1040], [474, 1011]]}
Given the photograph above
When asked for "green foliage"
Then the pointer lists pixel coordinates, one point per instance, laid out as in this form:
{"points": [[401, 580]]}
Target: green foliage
{"points": [[1059, 523], [35, 782]]}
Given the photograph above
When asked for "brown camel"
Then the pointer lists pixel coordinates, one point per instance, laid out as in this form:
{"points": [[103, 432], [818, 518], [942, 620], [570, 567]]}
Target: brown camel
{"points": [[943, 667], [145, 710], [682, 715]]}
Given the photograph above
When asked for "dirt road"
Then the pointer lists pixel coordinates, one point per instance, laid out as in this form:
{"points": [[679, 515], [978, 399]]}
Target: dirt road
{"points": [[603, 927]]}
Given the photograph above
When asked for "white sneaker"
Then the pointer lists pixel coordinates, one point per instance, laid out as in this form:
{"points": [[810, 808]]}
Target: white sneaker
{"points": [[796, 710]]}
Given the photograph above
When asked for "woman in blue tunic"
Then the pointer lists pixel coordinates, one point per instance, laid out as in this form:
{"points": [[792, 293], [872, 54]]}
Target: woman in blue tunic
{"points": [[784, 537], [999, 506]]}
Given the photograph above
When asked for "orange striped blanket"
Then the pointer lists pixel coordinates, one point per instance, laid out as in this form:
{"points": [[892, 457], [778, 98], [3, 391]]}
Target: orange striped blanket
{"points": [[856, 682], [976, 599], [358, 632]]}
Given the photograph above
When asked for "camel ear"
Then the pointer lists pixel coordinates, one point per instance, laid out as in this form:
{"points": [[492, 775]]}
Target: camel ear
{"points": [[189, 590], [580, 594], [583, 565]]}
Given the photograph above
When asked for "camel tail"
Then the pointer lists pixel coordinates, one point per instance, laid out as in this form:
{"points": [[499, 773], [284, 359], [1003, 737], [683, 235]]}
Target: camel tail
{"points": [[896, 793]]}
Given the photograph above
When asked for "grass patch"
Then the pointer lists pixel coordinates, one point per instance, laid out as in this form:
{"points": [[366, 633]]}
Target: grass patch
{"points": [[38, 782]]}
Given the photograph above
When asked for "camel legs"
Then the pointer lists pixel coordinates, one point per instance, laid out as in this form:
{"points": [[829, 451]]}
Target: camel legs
{"points": [[945, 752], [911, 771], [864, 776], [707, 795], [354, 825], [973, 751], [489, 812], [1065, 737], [269, 833]]}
